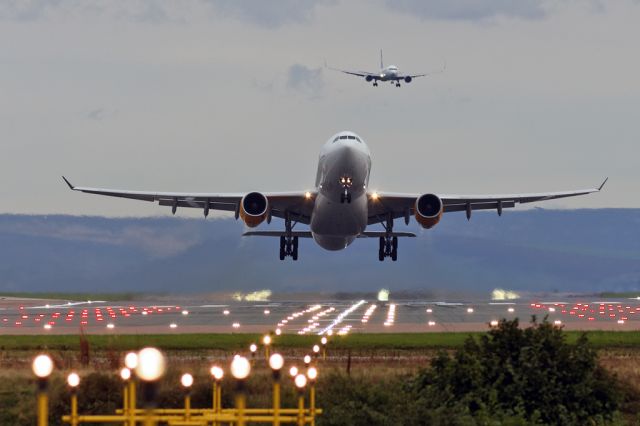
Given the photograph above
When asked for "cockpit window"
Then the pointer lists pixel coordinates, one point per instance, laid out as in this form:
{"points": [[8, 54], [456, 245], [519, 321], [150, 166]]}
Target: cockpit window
{"points": [[343, 137], [351, 137], [358, 139], [337, 137]]}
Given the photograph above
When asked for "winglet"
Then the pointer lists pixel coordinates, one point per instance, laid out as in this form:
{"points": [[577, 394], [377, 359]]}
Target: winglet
{"points": [[69, 184], [602, 186]]}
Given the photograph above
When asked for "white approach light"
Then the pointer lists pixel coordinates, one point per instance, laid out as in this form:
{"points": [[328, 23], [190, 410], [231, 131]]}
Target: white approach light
{"points": [[186, 380], [293, 371], [276, 361], [240, 368], [131, 360], [312, 373], [300, 381], [217, 372], [151, 364], [253, 348], [125, 374], [42, 366], [73, 380], [266, 340]]}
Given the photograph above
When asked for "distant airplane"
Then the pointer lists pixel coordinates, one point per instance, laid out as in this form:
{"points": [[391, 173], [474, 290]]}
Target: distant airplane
{"points": [[341, 207], [390, 73]]}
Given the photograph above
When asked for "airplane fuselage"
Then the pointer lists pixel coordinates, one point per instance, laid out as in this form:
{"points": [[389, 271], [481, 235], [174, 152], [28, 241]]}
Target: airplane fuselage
{"points": [[389, 73], [340, 209]]}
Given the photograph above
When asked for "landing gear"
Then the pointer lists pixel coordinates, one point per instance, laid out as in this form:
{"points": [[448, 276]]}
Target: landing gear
{"points": [[375, 84], [397, 84], [388, 246], [345, 197], [288, 243]]}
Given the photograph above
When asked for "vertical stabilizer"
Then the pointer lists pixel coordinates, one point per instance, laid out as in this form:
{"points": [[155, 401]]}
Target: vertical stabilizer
{"points": [[381, 61]]}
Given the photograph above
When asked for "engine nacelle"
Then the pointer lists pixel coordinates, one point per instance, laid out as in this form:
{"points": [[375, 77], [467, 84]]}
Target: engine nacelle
{"points": [[408, 79], [254, 208], [428, 210], [368, 78]]}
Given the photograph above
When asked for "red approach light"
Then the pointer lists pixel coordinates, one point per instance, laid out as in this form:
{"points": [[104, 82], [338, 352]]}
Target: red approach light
{"points": [[612, 315], [624, 318], [591, 318], [5, 319], [18, 323], [564, 311], [51, 323], [83, 322], [572, 312], [24, 316], [37, 319], [132, 308], [580, 315], [21, 308]]}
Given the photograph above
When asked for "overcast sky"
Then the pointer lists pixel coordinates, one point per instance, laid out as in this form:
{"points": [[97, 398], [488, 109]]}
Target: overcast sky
{"points": [[227, 95]]}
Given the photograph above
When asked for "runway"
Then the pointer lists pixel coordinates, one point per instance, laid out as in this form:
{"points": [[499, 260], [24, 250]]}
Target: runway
{"points": [[29, 316]]}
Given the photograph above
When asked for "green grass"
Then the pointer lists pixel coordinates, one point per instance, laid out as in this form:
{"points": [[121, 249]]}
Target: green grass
{"points": [[108, 297], [626, 295], [231, 342]]}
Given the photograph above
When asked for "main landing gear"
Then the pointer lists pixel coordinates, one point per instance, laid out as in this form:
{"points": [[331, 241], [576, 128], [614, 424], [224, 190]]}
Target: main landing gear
{"points": [[397, 84], [288, 243], [375, 84], [388, 244], [288, 247]]}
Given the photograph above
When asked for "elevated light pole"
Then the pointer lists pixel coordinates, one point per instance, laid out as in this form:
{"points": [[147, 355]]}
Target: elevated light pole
{"points": [[187, 381], [276, 362], [131, 363], [73, 380], [300, 382], [151, 367], [312, 374], [42, 367], [217, 373], [240, 369]]}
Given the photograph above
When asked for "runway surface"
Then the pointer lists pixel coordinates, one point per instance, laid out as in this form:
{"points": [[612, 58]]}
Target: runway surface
{"points": [[29, 316]]}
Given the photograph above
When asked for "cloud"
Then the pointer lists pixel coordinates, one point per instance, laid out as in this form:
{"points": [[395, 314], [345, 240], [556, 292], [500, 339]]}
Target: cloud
{"points": [[469, 10], [268, 13], [305, 80], [25, 10]]}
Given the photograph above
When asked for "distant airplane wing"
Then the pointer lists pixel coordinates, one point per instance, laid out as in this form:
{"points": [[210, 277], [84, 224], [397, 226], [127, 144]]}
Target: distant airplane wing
{"points": [[412, 76], [365, 74], [381, 205], [298, 204]]}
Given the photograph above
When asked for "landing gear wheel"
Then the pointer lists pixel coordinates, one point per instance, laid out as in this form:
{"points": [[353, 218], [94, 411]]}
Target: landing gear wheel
{"points": [[375, 84], [381, 250]]}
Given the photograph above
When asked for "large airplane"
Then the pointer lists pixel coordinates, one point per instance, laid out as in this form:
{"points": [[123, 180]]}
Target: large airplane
{"points": [[341, 207], [389, 73]]}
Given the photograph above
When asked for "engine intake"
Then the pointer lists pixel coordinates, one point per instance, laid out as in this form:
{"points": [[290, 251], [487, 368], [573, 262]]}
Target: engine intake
{"points": [[428, 210], [368, 78], [253, 209], [408, 79]]}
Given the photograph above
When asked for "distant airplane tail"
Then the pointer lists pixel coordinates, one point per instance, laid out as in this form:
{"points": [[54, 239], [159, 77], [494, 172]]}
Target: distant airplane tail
{"points": [[381, 61]]}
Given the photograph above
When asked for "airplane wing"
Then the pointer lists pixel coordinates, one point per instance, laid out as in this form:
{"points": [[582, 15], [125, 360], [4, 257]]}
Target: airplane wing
{"points": [[371, 75], [381, 205], [298, 204], [412, 76]]}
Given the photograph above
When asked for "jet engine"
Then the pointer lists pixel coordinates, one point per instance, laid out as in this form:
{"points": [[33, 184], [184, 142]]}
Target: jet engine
{"points": [[254, 208], [428, 210], [408, 79], [368, 78]]}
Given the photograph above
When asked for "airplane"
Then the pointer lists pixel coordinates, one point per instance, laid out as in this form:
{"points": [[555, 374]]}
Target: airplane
{"points": [[390, 73], [341, 206]]}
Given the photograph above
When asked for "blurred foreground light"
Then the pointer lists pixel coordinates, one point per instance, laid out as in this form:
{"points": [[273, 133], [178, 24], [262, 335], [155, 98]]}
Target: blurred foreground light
{"points": [[300, 381], [266, 340], [217, 372], [42, 366], [323, 340], [185, 312], [493, 323], [73, 380], [278, 332], [131, 360], [276, 361], [111, 326], [312, 373], [151, 364], [186, 380], [293, 371], [240, 368], [307, 359], [253, 347], [125, 374]]}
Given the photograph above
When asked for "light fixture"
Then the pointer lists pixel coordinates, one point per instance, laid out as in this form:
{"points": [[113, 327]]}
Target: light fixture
{"points": [[276, 361], [300, 381], [293, 371], [125, 374], [240, 368], [151, 364], [323, 340], [217, 372], [253, 348], [266, 340], [312, 373], [316, 349], [42, 366], [131, 360], [307, 360], [186, 380], [73, 380]]}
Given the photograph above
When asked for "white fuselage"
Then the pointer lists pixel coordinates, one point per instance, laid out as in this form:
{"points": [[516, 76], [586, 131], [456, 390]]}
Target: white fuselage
{"points": [[388, 73], [343, 168]]}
